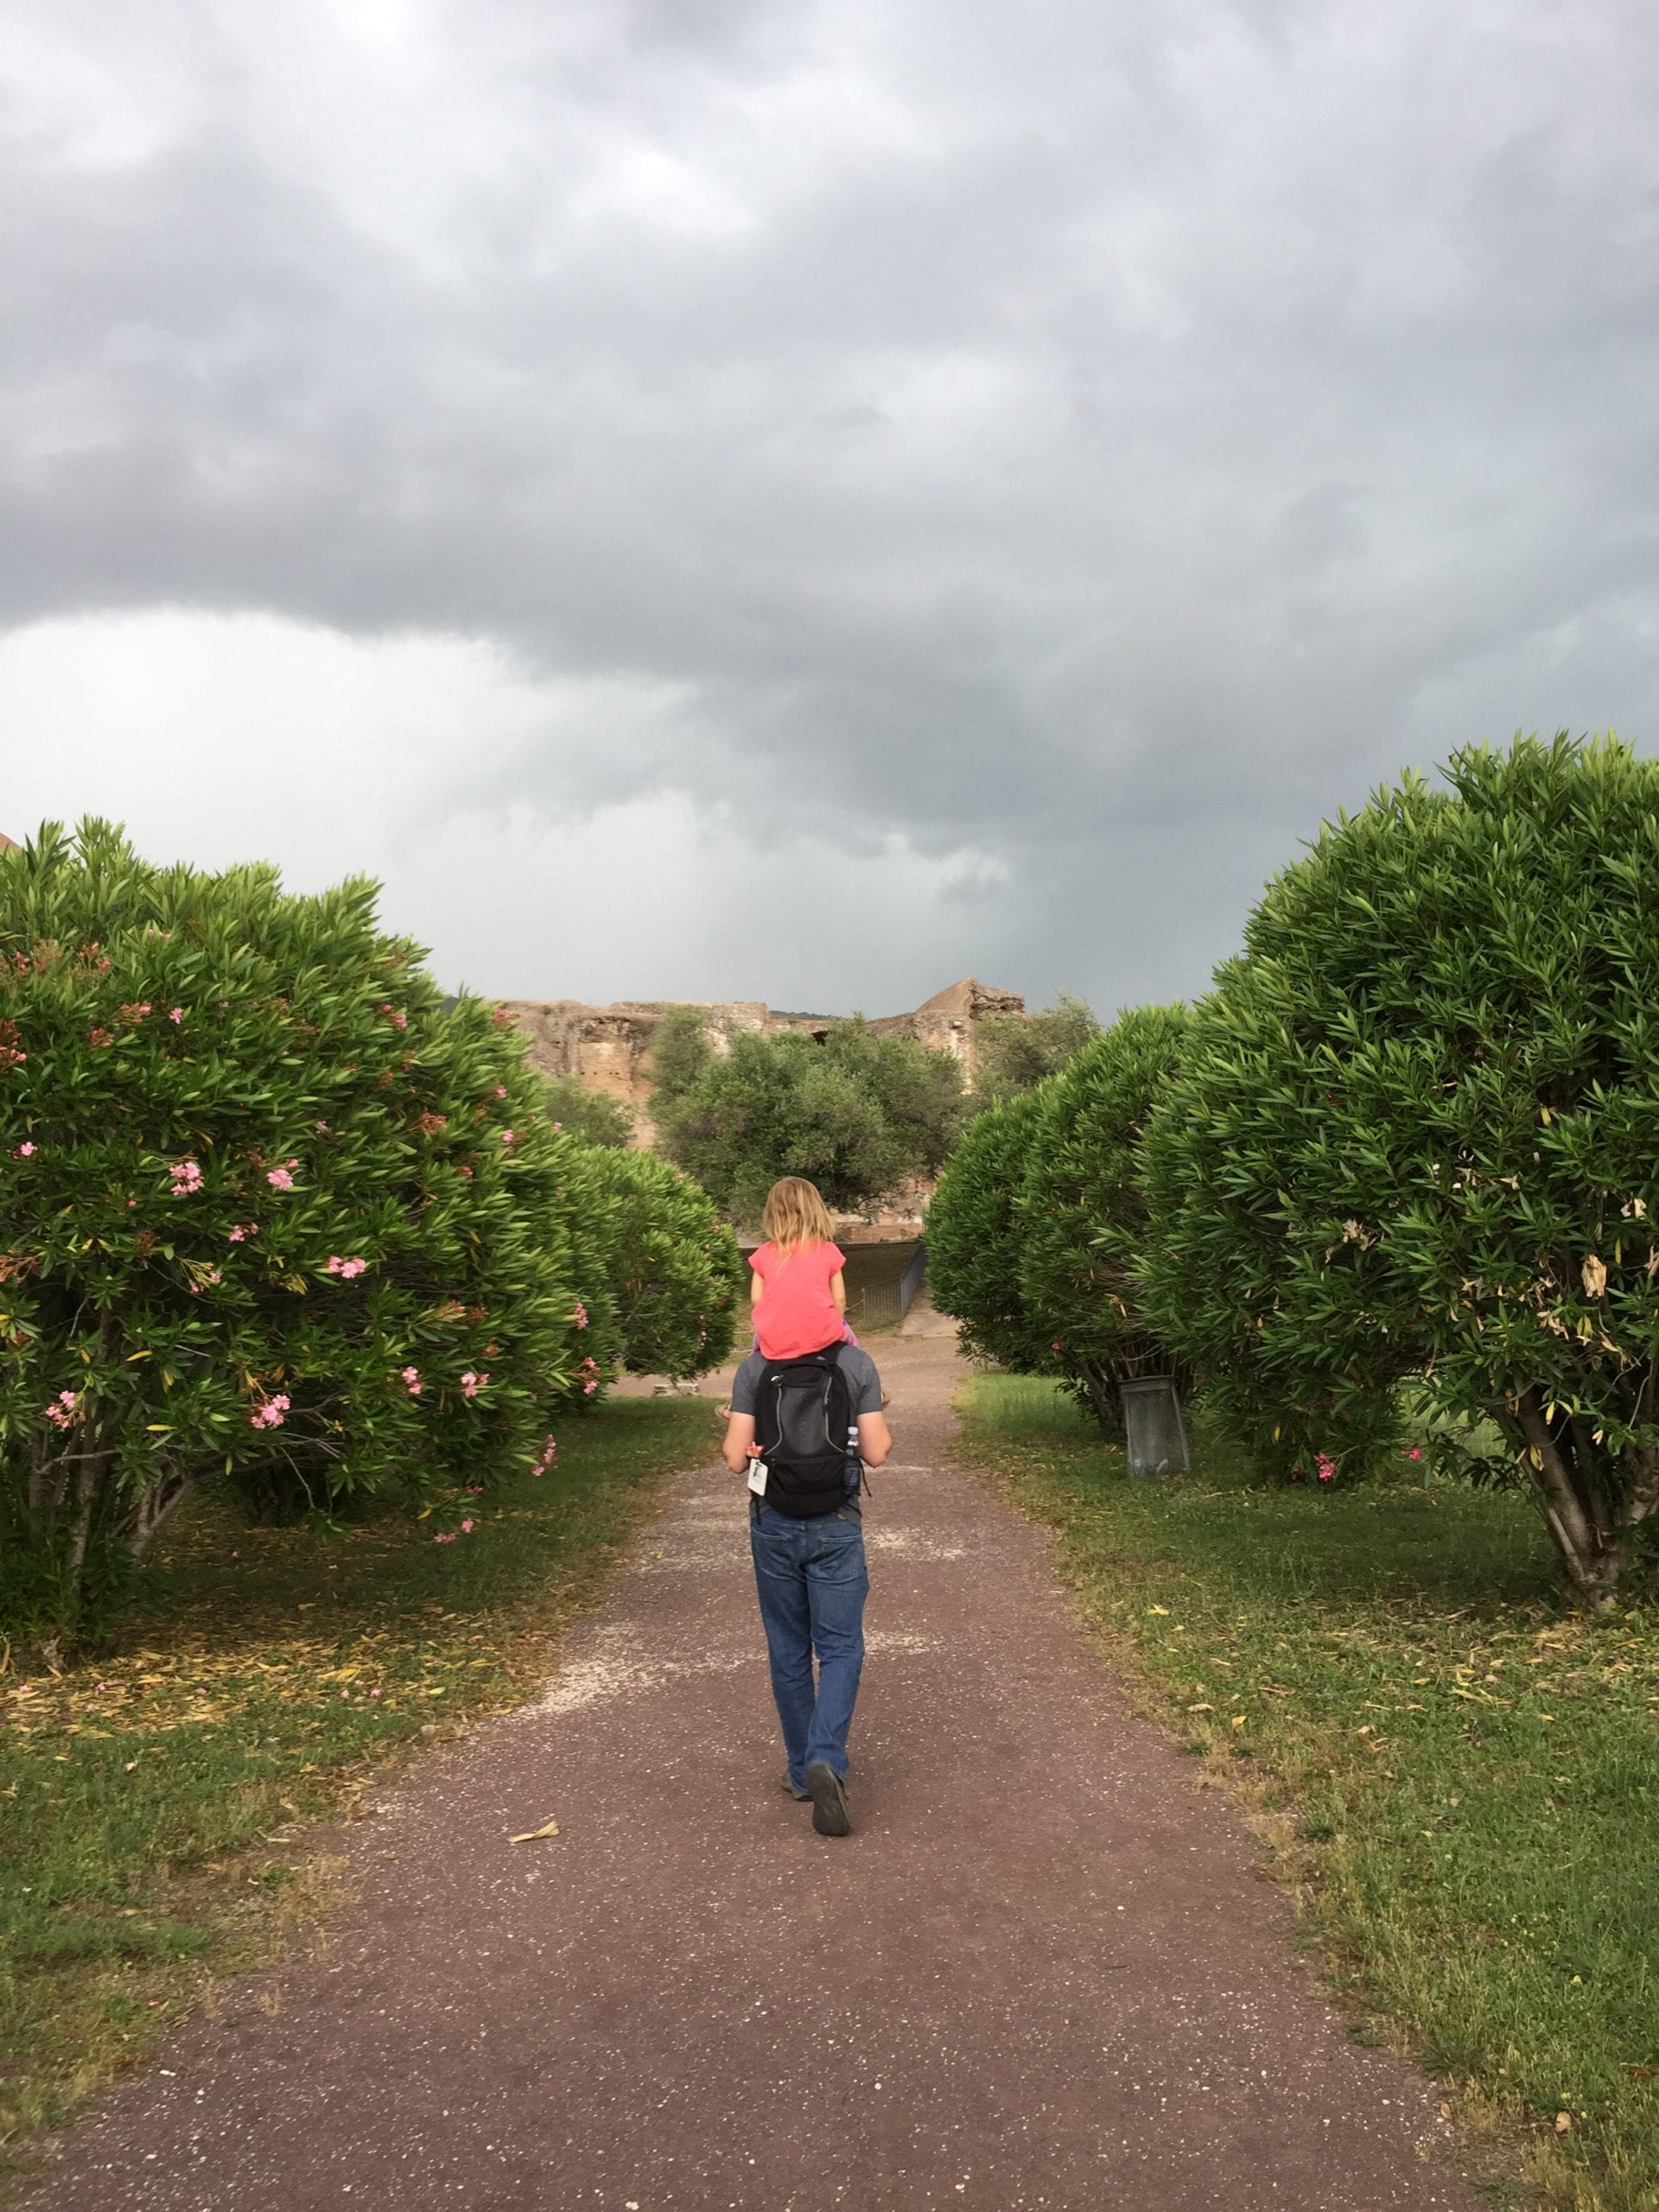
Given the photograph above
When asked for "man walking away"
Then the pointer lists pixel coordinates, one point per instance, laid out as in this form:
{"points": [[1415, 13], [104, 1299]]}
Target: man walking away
{"points": [[803, 1429]]}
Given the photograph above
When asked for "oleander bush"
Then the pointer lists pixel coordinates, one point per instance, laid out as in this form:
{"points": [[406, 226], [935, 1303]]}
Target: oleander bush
{"points": [[1079, 1211], [1413, 1136], [675, 1274], [975, 1239], [267, 1212]]}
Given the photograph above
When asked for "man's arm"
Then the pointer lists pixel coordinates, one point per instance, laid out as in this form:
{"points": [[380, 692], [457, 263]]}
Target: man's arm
{"points": [[874, 1438], [740, 1435]]}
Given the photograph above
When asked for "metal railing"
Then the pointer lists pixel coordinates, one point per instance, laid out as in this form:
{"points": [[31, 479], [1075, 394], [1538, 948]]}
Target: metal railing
{"points": [[891, 1301]]}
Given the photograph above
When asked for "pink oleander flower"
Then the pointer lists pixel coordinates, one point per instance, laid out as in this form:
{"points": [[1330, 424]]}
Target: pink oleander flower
{"points": [[549, 1452], [444, 1536], [1416, 1452], [345, 1269], [467, 1528], [63, 1408], [394, 1014], [589, 1388], [175, 1014], [500, 1089], [471, 1384], [242, 1231], [99, 1038], [509, 1137], [580, 1317], [23, 1151], [412, 1380], [558, 1125], [269, 1413], [1327, 1467], [1055, 1345], [280, 1179], [187, 1177]]}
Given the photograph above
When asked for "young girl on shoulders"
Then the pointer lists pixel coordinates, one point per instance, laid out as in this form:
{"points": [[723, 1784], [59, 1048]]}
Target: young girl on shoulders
{"points": [[797, 1292]]}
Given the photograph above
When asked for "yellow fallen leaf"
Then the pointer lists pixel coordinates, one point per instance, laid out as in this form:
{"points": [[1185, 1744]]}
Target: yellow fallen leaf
{"points": [[1563, 2123], [1158, 1609], [535, 1835]]}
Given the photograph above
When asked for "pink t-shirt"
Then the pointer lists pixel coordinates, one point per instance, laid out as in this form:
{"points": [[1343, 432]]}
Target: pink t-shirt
{"points": [[796, 1314]]}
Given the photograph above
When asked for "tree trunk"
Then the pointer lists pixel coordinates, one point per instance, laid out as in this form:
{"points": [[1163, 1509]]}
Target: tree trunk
{"points": [[1592, 1499], [1104, 1401]]}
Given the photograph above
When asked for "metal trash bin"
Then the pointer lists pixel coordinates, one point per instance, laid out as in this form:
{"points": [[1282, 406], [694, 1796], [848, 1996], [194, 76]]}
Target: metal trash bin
{"points": [[1152, 1429]]}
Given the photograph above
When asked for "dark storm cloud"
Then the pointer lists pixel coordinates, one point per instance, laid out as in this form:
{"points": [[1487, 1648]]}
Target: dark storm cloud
{"points": [[1104, 441]]}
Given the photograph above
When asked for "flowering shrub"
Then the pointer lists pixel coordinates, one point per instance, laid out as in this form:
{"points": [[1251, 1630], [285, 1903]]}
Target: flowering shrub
{"points": [[257, 1214], [1079, 1210], [1413, 1134]]}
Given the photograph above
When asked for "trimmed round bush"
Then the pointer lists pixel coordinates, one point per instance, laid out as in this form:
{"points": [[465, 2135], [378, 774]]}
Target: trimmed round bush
{"points": [[1415, 1132], [267, 1211], [1080, 1212]]}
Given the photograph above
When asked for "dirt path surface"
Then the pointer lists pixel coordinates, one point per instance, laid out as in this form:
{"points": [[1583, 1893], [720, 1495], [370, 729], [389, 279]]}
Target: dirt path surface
{"points": [[1041, 1974]]}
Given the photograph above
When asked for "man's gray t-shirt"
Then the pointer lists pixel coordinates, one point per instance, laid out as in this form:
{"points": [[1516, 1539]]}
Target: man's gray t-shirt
{"points": [[855, 1362]]}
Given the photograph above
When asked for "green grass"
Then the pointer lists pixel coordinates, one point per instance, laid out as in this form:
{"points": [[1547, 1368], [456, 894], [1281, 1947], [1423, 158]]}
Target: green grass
{"points": [[150, 1801], [1462, 1780]]}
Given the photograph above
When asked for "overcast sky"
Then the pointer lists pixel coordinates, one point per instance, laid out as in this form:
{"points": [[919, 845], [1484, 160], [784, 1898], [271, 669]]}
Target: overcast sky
{"points": [[749, 498]]}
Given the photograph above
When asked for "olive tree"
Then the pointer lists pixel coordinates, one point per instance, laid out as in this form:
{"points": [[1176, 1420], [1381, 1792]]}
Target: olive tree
{"points": [[1414, 1132], [859, 1114], [1079, 1211], [1012, 1051]]}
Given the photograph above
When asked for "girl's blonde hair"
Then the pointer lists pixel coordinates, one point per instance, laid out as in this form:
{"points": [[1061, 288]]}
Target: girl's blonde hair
{"points": [[796, 1214]]}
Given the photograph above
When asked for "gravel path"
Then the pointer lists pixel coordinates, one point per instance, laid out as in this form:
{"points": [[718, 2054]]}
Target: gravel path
{"points": [[1041, 1974]]}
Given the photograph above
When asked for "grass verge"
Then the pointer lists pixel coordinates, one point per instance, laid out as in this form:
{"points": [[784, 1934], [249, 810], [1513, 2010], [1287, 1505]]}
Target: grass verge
{"points": [[150, 1800], [1462, 1780]]}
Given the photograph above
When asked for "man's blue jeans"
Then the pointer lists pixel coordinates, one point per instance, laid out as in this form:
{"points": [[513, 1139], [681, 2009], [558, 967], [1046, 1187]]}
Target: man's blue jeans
{"points": [[813, 1581]]}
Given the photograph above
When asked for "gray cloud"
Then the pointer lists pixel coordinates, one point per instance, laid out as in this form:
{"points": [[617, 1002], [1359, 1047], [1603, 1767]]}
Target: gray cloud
{"points": [[1097, 441]]}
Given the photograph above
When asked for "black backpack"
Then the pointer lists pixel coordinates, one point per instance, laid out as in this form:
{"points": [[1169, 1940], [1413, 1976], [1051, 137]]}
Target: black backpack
{"points": [[806, 1429]]}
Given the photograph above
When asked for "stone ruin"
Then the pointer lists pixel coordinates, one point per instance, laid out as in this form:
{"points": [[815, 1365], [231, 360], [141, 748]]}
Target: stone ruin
{"points": [[608, 1049]]}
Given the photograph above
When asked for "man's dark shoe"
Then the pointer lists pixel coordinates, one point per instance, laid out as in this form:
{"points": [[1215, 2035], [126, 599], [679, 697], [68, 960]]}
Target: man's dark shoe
{"points": [[824, 1787], [791, 1789]]}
